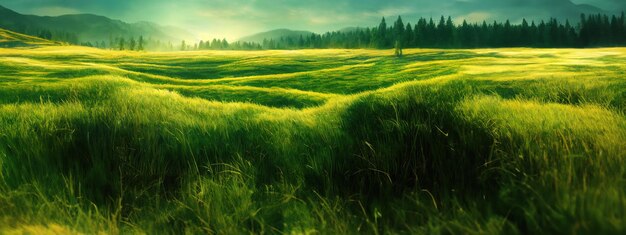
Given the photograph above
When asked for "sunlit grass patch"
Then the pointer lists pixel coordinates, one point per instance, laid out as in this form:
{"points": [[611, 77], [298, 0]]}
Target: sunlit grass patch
{"points": [[532, 121], [50, 229]]}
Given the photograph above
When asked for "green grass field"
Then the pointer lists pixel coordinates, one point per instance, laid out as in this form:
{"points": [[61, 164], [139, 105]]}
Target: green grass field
{"points": [[491, 141]]}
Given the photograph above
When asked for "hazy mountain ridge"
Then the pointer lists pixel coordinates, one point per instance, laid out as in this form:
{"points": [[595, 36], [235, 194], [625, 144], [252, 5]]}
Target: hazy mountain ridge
{"points": [[89, 27], [537, 10], [275, 35]]}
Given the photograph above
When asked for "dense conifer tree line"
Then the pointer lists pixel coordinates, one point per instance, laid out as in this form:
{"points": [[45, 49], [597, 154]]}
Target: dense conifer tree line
{"points": [[142, 44], [593, 30]]}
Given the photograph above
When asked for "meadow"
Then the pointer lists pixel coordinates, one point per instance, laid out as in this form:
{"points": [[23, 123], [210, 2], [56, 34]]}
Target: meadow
{"points": [[485, 141]]}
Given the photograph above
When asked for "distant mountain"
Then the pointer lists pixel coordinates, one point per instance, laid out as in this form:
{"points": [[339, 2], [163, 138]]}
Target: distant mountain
{"points": [[13, 39], [88, 27], [586, 8], [571, 11], [515, 10], [274, 34], [351, 29]]}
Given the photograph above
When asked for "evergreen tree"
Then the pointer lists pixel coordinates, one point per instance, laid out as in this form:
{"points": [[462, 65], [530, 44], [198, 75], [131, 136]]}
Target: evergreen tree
{"points": [[140, 46], [465, 35], [534, 32], [409, 36], [111, 42], [381, 38], [398, 36], [449, 33], [301, 41], [484, 35], [570, 35], [507, 34], [431, 34], [442, 37], [132, 44], [420, 32], [121, 44], [622, 30], [525, 36]]}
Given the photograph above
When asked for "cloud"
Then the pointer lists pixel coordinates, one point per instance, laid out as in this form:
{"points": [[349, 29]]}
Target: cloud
{"points": [[475, 17], [55, 11], [610, 5]]}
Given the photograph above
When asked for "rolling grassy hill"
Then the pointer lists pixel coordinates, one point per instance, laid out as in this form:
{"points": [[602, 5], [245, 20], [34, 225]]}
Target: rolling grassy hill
{"points": [[506, 141], [13, 39]]}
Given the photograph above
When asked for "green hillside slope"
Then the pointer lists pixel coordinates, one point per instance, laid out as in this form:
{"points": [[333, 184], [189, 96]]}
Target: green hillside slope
{"points": [[89, 27], [13, 39]]}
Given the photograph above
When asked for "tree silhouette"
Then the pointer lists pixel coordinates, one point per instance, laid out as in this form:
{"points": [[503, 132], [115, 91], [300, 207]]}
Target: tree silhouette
{"points": [[121, 44], [132, 44], [140, 46], [381, 39], [409, 36]]}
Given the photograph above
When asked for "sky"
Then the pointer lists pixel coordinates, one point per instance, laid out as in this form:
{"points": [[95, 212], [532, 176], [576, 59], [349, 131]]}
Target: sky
{"points": [[232, 19]]}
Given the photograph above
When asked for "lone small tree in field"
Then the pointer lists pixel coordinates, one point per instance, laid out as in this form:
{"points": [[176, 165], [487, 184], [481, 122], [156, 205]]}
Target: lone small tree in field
{"points": [[183, 46], [398, 52]]}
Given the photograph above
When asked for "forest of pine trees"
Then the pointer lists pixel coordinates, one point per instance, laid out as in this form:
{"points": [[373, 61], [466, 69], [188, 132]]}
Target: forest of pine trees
{"points": [[142, 44], [592, 31], [217, 44]]}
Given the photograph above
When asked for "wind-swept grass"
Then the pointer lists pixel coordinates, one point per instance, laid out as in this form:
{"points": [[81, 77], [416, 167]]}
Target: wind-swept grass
{"points": [[507, 141]]}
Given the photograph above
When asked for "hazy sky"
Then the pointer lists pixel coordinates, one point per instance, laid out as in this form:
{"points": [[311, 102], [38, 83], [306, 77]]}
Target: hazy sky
{"points": [[236, 18]]}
